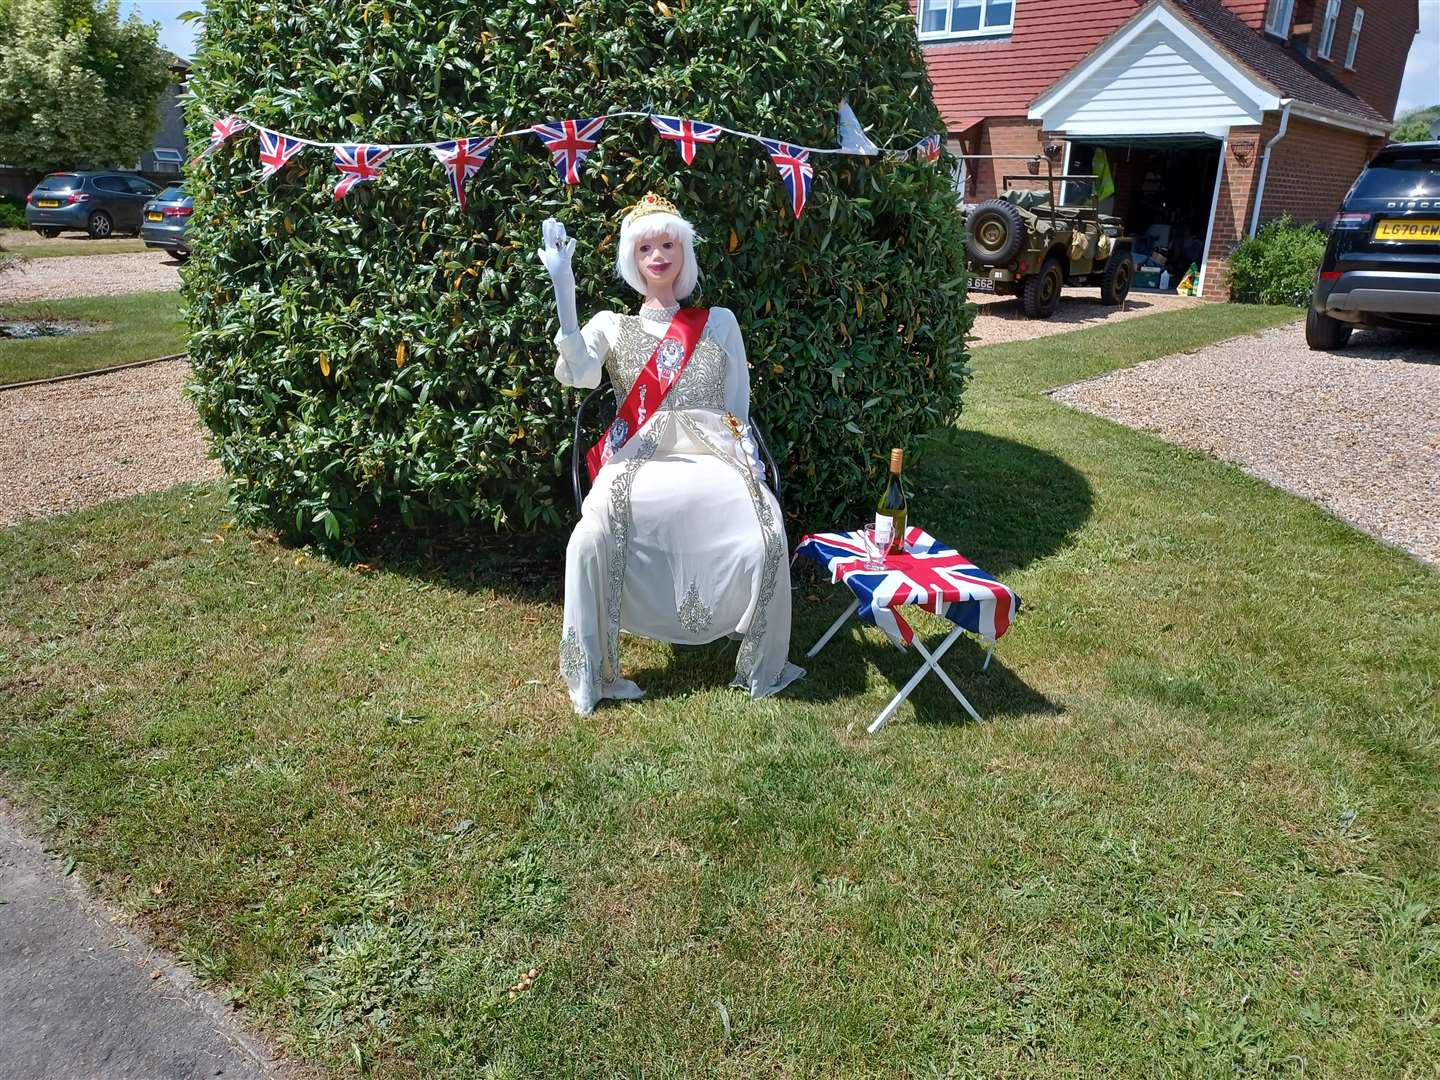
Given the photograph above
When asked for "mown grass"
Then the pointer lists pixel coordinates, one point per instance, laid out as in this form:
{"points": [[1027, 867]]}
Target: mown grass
{"points": [[1196, 837], [34, 246], [140, 326]]}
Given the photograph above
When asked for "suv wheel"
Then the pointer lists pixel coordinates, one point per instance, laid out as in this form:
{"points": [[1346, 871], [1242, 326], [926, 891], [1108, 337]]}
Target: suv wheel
{"points": [[1323, 333], [1119, 275], [995, 233], [1042, 291], [100, 226]]}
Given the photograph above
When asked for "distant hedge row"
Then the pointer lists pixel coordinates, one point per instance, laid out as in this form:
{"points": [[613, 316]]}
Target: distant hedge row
{"points": [[388, 359]]}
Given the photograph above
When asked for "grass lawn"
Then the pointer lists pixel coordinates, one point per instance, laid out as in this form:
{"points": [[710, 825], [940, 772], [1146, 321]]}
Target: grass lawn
{"points": [[141, 326], [34, 246], [1196, 837]]}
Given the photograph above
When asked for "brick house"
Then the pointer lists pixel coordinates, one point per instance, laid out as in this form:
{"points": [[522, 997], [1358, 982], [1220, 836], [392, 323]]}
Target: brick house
{"points": [[1212, 116]]}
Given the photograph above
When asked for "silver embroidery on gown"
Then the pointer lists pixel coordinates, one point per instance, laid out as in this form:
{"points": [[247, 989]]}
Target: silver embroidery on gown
{"points": [[700, 530]]}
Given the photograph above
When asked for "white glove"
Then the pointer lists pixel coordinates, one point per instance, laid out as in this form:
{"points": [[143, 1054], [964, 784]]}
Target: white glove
{"points": [[556, 257]]}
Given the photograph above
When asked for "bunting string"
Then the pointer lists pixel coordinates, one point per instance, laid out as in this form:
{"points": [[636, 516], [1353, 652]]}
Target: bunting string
{"points": [[569, 142]]}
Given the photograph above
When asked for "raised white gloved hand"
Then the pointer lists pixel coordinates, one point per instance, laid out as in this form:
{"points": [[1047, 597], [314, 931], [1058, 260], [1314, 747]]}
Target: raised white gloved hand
{"points": [[556, 257]]}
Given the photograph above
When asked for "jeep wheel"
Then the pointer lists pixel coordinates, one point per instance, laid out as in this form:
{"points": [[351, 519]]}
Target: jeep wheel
{"points": [[995, 233], [1119, 276], [1323, 333], [1042, 291]]}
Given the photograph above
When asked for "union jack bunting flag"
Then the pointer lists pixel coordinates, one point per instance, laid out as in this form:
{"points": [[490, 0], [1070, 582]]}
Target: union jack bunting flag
{"points": [[462, 159], [222, 130], [795, 170], [929, 574], [358, 164], [275, 151], [570, 143], [928, 148], [687, 135]]}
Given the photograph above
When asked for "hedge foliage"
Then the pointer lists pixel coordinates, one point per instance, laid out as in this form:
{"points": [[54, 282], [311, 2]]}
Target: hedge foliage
{"points": [[1277, 265], [390, 357]]}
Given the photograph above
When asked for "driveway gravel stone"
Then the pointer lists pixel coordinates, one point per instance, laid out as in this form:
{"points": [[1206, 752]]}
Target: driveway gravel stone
{"points": [[84, 441], [1357, 431], [90, 275], [1001, 318]]}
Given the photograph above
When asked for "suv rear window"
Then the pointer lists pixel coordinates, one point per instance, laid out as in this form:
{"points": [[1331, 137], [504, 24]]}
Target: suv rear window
{"points": [[1410, 177], [58, 182]]}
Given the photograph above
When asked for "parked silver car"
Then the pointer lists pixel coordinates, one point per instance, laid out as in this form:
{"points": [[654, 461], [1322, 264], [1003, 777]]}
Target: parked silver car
{"points": [[167, 221]]}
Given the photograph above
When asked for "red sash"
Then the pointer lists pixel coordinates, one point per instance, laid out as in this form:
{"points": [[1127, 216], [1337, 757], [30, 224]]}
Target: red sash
{"points": [[660, 373]]}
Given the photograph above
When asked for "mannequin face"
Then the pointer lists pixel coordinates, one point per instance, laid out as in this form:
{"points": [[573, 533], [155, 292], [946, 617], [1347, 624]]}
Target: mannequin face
{"points": [[659, 259]]}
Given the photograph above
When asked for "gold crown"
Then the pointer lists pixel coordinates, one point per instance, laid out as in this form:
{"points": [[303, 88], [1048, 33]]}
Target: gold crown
{"points": [[650, 204]]}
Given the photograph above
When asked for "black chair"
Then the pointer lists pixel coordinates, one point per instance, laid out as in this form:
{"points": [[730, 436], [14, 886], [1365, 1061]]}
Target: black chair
{"points": [[597, 411]]}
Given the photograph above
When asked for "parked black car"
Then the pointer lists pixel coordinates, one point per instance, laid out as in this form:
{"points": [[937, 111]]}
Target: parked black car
{"points": [[1382, 264], [99, 203], [167, 221]]}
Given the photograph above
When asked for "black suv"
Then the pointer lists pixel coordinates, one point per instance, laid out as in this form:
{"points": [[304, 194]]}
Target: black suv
{"points": [[1382, 264]]}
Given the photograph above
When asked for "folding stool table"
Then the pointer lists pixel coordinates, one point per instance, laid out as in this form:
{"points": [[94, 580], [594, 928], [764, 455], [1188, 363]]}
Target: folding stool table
{"points": [[928, 574]]}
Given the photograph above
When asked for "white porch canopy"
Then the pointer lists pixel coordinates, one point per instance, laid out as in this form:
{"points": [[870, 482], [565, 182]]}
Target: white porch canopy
{"points": [[1157, 75]]}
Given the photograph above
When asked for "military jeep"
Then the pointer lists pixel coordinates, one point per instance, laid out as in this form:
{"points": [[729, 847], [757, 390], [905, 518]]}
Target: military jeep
{"points": [[1024, 244]]}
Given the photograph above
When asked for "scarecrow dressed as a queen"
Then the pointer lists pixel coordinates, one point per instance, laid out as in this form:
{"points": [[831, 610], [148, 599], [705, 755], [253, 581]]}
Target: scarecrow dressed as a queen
{"points": [[680, 539]]}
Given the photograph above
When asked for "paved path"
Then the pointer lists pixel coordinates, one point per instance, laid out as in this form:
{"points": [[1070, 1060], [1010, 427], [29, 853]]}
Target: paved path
{"points": [[76, 443], [1357, 430], [90, 275], [1001, 318], [84, 999]]}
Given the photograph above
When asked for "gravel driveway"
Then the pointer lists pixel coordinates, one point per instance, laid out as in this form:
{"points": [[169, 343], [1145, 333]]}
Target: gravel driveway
{"points": [[1356, 431], [1001, 319], [90, 275], [76, 443]]}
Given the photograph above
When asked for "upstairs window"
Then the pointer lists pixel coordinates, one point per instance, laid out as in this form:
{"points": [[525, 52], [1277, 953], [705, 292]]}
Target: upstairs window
{"points": [[1278, 14], [965, 18], [1354, 44], [1327, 29]]}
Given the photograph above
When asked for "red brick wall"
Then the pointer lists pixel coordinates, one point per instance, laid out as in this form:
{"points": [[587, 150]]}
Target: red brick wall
{"points": [[1311, 169], [1385, 42], [1232, 209], [1003, 135]]}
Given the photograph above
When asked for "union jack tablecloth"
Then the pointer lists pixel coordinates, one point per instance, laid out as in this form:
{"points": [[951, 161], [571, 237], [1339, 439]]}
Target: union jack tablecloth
{"points": [[936, 577]]}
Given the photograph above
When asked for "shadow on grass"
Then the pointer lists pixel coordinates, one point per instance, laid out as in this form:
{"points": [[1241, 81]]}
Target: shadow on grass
{"points": [[1000, 502], [841, 671], [529, 568]]}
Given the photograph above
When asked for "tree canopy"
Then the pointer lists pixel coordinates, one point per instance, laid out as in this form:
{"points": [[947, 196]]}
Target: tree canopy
{"points": [[79, 87], [388, 358]]}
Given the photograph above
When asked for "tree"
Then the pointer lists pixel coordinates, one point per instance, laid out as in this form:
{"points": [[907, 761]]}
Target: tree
{"points": [[388, 358], [1417, 125], [78, 87]]}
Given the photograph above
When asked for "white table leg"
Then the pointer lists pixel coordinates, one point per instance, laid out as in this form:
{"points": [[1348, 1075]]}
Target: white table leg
{"points": [[932, 663], [989, 652], [834, 628]]}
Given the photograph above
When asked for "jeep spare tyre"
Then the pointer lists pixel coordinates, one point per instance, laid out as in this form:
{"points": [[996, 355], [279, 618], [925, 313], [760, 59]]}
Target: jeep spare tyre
{"points": [[995, 233]]}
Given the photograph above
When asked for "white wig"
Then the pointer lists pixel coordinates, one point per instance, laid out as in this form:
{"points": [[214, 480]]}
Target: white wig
{"points": [[650, 225]]}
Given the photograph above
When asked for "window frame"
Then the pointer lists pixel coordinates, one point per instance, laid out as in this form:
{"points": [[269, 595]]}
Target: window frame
{"points": [[1352, 47], [981, 31], [1329, 27], [168, 154], [1274, 25]]}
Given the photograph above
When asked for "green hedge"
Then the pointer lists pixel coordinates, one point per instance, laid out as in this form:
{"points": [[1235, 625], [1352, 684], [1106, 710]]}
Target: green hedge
{"points": [[12, 212], [854, 316], [1277, 265]]}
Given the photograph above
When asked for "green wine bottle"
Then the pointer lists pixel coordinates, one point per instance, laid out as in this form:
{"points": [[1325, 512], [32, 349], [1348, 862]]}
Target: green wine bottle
{"points": [[892, 503]]}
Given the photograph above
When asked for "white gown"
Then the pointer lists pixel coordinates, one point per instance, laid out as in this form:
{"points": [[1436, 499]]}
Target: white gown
{"points": [[680, 539]]}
